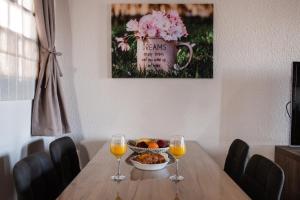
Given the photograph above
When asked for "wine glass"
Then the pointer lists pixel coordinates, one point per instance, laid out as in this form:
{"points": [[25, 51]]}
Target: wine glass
{"points": [[177, 149], [118, 148]]}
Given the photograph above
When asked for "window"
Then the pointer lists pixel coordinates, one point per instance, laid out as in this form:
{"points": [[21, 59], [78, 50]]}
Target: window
{"points": [[18, 50]]}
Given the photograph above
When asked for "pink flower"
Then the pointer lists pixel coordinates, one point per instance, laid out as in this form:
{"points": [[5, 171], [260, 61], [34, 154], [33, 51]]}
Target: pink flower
{"points": [[124, 46], [167, 37], [132, 25], [158, 15], [119, 39], [168, 26], [163, 24], [161, 21], [178, 28], [146, 23], [151, 32], [178, 31], [173, 14]]}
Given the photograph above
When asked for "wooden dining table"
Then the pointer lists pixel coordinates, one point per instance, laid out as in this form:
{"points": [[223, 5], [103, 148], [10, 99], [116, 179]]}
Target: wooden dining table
{"points": [[203, 180]]}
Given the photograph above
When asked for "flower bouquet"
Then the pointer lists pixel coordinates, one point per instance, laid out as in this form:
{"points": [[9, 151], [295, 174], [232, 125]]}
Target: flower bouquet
{"points": [[157, 36]]}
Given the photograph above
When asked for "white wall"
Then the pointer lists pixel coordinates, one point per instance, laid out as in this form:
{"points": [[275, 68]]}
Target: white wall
{"points": [[255, 43], [261, 39]]}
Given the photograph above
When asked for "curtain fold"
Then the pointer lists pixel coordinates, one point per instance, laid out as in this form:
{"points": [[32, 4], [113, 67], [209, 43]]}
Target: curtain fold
{"points": [[49, 117]]}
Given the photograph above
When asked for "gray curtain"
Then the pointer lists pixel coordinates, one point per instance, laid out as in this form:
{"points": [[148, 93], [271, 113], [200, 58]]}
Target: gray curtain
{"points": [[49, 115]]}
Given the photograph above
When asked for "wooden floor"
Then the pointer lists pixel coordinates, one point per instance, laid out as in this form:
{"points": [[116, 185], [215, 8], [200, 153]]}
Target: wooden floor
{"points": [[204, 179]]}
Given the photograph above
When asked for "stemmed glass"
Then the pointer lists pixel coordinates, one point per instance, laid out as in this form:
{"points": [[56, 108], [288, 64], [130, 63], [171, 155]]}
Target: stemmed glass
{"points": [[177, 149], [118, 148]]}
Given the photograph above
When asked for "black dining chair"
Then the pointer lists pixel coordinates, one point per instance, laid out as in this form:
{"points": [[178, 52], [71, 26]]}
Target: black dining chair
{"points": [[236, 159], [263, 179], [65, 159], [35, 178]]}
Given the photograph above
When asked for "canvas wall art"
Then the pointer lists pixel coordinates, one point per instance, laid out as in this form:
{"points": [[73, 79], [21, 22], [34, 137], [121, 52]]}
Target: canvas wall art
{"points": [[162, 40]]}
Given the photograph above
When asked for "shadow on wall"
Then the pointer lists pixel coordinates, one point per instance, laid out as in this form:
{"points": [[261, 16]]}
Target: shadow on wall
{"points": [[88, 149], [6, 179], [7, 190], [33, 147]]}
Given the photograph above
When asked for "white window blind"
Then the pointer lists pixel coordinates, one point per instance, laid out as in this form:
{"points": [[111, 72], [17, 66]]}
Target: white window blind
{"points": [[18, 50]]}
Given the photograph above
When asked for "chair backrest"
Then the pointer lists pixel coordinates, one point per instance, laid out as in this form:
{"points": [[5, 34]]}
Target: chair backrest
{"points": [[263, 179], [35, 178], [236, 159], [65, 159]]}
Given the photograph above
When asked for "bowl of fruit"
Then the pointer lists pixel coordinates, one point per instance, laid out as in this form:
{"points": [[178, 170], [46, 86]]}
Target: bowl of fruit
{"points": [[148, 145]]}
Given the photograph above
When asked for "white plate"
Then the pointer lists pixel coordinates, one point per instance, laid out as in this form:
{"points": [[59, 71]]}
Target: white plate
{"points": [[151, 167]]}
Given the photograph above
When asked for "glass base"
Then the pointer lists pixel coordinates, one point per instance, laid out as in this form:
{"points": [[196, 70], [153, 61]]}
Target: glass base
{"points": [[176, 178], [118, 177]]}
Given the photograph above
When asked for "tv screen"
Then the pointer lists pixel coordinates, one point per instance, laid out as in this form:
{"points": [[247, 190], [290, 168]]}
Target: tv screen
{"points": [[295, 127]]}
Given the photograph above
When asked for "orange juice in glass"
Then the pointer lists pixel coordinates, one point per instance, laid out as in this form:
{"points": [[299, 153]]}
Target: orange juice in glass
{"points": [[177, 149], [118, 148]]}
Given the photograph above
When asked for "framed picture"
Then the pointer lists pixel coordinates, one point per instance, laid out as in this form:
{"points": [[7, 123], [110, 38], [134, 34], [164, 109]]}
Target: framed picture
{"points": [[162, 40]]}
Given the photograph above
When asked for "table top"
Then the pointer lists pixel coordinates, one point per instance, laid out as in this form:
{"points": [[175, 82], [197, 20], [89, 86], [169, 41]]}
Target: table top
{"points": [[204, 179]]}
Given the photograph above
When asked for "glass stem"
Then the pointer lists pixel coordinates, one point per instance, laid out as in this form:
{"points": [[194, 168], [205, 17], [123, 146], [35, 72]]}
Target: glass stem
{"points": [[119, 172], [176, 167]]}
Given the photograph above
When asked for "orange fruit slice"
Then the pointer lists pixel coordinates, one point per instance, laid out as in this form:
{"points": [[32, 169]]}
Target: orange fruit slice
{"points": [[152, 145]]}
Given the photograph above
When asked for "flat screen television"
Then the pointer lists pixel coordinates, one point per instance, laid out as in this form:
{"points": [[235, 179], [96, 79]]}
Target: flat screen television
{"points": [[295, 105]]}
